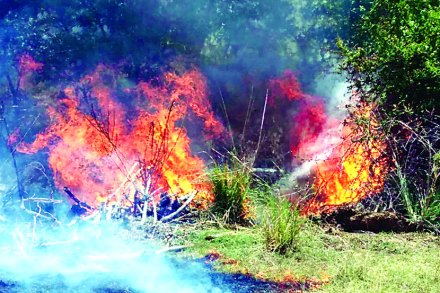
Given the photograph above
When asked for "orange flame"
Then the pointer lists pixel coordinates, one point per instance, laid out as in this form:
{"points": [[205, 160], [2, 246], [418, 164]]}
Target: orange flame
{"points": [[109, 153], [356, 168], [347, 169]]}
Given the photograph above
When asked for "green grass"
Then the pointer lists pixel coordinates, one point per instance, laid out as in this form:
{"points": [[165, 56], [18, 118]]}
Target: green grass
{"points": [[232, 190], [354, 262], [281, 225], [422, 207]]}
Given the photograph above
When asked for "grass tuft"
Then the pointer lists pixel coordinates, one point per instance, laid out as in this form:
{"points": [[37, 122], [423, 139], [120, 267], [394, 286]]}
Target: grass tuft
{"points": [[281, 224], [232, 191]]}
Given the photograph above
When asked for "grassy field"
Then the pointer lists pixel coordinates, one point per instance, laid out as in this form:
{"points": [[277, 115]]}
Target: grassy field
{"points": [[350, 262]]}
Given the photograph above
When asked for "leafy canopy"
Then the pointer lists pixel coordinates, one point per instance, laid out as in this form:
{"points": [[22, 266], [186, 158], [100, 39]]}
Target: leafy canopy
{"points": [[393, 57]]}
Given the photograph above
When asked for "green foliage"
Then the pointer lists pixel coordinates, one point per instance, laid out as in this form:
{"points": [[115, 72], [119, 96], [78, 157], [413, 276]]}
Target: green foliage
{"points": [[281, 223], [71, 37], [268, 35], [392, 59], [237, 195], [431, 212], [232, 191], [393, 56]]}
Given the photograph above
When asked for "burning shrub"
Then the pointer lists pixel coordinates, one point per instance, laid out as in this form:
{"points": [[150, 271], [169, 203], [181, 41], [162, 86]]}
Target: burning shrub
{"points": [[402, 78], [357, 166], [347, 156], [127, 147]]}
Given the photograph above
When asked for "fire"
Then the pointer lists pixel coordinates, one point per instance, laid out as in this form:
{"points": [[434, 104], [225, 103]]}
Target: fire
{"points": [[109, 143], [285, 88], [310, 125], [356, 168], [347, 165]]}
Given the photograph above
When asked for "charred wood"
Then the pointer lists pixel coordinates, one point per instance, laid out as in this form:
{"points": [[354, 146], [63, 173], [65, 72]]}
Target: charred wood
{"points": [[80, 208]]}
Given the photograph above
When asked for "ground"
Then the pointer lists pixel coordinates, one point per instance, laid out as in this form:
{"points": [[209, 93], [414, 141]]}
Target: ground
{"points": [[336, 261]]}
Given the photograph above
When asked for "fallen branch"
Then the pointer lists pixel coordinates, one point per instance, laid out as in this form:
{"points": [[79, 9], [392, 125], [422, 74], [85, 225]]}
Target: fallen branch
{"points": [[42, 200], [128, 178], [75, 199], [267, 170], [37, 214], [185, 204], [147, 198]]}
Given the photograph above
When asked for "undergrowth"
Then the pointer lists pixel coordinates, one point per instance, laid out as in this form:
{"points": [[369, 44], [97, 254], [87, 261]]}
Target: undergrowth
{"points": [[232, 188], [421, 204], [281, 224]]}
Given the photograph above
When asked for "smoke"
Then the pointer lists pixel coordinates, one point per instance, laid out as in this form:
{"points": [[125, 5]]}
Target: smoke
{"points": [[239, 45], [258, 38], [91, 257], [7, 177], [334, 88], [316, 128]]}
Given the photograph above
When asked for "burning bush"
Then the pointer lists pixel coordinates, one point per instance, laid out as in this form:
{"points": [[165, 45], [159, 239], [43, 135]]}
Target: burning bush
{"points": [[356, 168], [124, 147], [346, 158]]}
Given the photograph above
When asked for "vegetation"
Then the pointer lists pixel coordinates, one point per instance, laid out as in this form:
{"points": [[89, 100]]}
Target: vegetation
{"points": [[281, 225], [349, 262], [414, 178], [232, 191], [392, 57], [389, 51], [392, 60]]}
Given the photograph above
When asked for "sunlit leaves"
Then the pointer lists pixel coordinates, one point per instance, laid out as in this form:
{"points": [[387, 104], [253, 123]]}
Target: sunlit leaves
{"points": [[395, 52]]}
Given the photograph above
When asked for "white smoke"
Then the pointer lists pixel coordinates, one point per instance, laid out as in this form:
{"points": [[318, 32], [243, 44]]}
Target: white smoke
{"points": [[335, 90], [91, 258]]}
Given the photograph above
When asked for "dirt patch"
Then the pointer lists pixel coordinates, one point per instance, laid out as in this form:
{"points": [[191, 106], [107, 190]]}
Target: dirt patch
{"points": [[350, 220]]}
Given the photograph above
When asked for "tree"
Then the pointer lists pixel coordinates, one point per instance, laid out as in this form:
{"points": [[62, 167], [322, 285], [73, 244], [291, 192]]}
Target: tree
{"points": [[393, 60], [393, 57]]}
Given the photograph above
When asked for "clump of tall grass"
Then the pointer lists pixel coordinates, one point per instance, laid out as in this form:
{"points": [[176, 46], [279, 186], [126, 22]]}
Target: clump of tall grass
{"points": [[417, 175], [281, 223], [232, 191]]}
